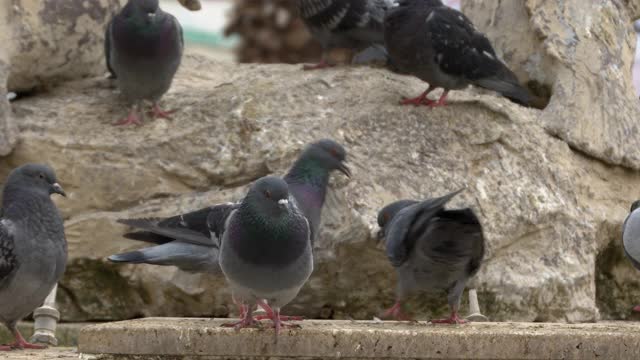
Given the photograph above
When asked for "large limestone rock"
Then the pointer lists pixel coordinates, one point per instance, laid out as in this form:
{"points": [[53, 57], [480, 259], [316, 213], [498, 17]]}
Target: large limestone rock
{"points": [[547, 209], [582, 52], [51, 40]]}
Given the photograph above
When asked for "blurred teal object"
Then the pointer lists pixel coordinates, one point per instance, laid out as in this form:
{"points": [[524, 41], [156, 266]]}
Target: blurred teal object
{"points": [[209, 38], [206, 26]]}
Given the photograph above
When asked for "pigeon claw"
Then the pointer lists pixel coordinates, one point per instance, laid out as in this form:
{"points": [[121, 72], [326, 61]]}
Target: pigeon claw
{"points": [[417, 101], [636, 309], [131, 119], [321, 65], [158, 113], [395, 312], [21, 343], [454, 319]]}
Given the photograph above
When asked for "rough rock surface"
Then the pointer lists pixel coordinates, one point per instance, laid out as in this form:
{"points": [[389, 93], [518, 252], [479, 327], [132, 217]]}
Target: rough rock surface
{"points": [[50, 41], [582, 51], [546, 209]]}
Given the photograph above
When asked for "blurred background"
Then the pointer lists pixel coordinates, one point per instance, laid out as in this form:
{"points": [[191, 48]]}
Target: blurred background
{"points": [[265, 31]]}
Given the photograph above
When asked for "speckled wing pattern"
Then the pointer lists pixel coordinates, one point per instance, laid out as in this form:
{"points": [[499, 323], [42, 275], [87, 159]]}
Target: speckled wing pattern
{"points": [[343, 15], [459, 49], [8, 260]]}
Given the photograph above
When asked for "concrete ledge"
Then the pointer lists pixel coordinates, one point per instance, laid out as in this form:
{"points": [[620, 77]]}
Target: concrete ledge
{"points": [[204, 339]]}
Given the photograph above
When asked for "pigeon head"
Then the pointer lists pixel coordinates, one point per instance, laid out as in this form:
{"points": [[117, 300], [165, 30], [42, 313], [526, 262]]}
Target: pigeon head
{"points": [[143, 8], [635, 205], [269, 195], [386, 214], [36, 176], [327, 154]]}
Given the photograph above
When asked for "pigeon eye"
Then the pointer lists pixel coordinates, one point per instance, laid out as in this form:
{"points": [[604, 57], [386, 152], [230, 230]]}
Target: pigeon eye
{"points": [[41, 176], [267, 193]]}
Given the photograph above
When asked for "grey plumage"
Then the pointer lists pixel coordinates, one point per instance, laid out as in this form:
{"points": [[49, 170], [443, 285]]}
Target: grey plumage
{"points": [[441, 46], [431, 248], [143, 50], [353, 24], [266, 250], [33, 248], [188, 241]]}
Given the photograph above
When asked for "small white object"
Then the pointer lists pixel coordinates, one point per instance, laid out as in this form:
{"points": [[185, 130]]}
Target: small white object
{"points": [[46, 320], [283, 201], [474, 308]]}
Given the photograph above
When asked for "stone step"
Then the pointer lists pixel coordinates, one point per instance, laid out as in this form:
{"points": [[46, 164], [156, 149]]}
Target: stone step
{"points": [[181, 338]]}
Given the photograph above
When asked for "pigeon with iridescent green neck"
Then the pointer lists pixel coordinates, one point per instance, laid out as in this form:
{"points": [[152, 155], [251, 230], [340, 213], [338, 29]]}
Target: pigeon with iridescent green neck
{"points": [[266, 253], [143, 50]]}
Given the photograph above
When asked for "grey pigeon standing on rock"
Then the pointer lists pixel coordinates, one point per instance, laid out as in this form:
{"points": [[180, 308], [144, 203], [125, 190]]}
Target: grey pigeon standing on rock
{"points": [[631, 238], [441, 46], [432, 249], [266, 252], [33, 248], [191, 241], [352, 24], [143, 50]]}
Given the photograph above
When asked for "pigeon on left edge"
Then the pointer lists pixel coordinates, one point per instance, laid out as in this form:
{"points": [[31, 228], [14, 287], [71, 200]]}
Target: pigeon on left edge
{"points": [[432, 248], [33, 248], [631, 238], [143, 50]]}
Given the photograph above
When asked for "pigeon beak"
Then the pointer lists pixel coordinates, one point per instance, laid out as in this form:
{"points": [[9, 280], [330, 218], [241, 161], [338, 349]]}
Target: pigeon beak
{"points": [[283, 203], [151, 16], [57, 189], [343, 168]]}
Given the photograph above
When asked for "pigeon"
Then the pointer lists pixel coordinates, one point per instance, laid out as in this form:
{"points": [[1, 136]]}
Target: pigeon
{"points": [[33, 248], [441, 46], [432, 248], [353, 24], [191, 241], [265, 252], [631, 238], [143, 50]]}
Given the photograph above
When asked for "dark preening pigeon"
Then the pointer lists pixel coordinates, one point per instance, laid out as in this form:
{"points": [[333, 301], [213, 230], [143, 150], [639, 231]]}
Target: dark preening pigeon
{"points": [[432, 249], [143, 50], [631, 238], [353, 24], [441, 46], [33, 248]]}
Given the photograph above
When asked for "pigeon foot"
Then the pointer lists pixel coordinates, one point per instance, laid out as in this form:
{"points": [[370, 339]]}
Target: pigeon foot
{"points": [[454, 319], [21, 343], [246, 319], [419, 100], [636, 309], [131, 119], [395, 312], [282, 317], [158, 113], [321, 65]]}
